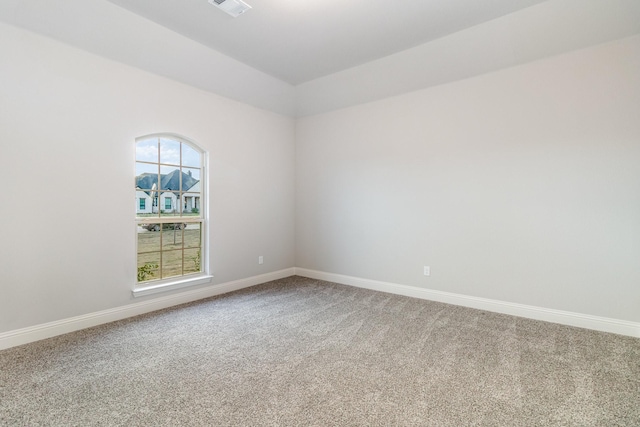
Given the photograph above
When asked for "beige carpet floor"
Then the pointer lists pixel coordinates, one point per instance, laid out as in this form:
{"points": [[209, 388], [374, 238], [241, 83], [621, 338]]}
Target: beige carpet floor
{"points": [[302, 352]]}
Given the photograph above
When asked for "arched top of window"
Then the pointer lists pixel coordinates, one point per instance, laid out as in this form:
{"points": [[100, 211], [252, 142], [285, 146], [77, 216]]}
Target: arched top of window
{"points": [[168, 167], [169, 149]]}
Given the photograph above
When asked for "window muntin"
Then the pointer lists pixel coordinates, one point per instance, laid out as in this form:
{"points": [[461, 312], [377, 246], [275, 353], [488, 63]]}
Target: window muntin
{"points": [[170, 220]]}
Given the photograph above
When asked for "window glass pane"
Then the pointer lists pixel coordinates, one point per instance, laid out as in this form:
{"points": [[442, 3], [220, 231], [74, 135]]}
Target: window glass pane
{"points": [[146, 176], [147, 150], [171, 263], [179, 204], [148, 254], [148, 266], [167, 203], [143, 204], [192, 261], [193, 235], [146, 185], [172, 236], [191, 177], [170, 178], [191, 204], [169, 151], [148, 237], [190, 157]]}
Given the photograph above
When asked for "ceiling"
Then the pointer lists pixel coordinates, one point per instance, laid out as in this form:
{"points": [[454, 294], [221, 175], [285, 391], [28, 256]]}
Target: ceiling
{"points": [[305, 57], [301, 40]]}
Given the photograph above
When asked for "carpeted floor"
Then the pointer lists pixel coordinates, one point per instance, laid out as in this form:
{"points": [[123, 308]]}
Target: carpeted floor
{"points": [[302, 352]]}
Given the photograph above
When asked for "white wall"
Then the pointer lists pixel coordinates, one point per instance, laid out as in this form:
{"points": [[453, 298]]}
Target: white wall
{"points": [[103, 28], [545, 29], [68, 121], [522, 185]]}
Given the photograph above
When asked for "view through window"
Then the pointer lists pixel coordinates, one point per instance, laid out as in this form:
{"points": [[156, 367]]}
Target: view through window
{"points": [[169, 202]]}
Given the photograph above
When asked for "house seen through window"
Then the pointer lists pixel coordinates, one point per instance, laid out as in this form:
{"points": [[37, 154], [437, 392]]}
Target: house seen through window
{"points": [[169, 217]]}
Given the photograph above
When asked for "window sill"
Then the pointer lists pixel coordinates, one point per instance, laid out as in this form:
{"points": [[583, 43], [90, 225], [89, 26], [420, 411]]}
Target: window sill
{"points": [[171, 285]]}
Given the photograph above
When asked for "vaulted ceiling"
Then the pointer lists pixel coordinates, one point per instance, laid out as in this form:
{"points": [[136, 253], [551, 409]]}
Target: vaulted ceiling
{"points": [[301, 57], [298, 41]]}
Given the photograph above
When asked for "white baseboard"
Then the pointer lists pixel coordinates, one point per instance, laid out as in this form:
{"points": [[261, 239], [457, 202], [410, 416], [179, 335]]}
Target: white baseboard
{"points": [[603, 324], [59, 327]]}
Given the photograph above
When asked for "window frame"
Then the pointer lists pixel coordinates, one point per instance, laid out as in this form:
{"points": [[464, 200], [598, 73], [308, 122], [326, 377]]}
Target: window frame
{"points": [[141, 288]]}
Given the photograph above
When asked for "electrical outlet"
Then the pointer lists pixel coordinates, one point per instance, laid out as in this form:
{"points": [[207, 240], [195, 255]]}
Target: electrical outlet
{"points": [[427, 270], [260, 259]]}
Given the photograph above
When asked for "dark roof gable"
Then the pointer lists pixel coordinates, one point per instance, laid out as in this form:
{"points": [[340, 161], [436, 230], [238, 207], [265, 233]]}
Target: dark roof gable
{"points": [[168, 182]]}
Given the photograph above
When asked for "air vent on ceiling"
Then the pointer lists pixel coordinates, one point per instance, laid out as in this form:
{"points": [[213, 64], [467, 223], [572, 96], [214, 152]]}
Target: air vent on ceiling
{"points": [[234, 8]]}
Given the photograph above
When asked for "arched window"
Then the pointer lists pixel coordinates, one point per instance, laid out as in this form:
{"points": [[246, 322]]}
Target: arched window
{"points": [[170, 204]]}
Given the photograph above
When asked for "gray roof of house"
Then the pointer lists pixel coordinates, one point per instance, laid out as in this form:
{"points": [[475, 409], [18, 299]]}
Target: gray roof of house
{"points": [[168, 182]]}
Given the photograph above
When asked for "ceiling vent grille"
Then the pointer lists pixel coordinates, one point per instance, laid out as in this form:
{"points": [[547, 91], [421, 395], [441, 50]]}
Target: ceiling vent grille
{"points": [[234, 8]]}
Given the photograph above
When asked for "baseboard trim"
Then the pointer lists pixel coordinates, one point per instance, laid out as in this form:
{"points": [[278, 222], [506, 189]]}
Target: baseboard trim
{"points": [[59, 327], [603, 324]]}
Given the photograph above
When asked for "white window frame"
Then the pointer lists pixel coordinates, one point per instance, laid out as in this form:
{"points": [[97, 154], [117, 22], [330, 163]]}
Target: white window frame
{"points": [[193, 279]]}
